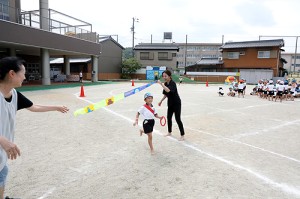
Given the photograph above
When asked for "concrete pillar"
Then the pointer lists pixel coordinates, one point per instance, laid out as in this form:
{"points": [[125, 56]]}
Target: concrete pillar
{"points": [[45, 61], [67, 65], [44, 15], [95, 68]]}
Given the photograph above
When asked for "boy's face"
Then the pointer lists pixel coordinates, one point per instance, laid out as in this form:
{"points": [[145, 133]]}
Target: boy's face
{"points": [[149, 100]]}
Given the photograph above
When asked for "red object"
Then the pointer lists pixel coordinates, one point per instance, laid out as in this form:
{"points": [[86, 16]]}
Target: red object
{"points": [[82, 92], [149, 108], [163, 121], [206, 83], [132, 82]]}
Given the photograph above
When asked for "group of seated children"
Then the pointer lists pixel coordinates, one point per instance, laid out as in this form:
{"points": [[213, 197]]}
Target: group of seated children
{"points": [[237, 87]]}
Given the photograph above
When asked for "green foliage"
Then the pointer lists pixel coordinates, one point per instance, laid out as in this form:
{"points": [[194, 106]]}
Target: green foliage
{"points": [[127, 53], [129, 66]]}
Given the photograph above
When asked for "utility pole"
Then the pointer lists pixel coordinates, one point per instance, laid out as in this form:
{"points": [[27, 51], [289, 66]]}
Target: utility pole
{"points": [[185, 54], [132, 29]]}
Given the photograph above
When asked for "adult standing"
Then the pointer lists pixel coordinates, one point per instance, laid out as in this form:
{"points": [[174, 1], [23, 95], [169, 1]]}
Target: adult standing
{"points": [[174, 102], [80, 76], [12, 74]]}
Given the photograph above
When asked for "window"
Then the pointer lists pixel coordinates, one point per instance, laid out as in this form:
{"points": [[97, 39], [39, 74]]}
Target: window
{"points": [[233, 55], [297, 57], [263, 54], [144, 55], [4, 9], [163, 55]]}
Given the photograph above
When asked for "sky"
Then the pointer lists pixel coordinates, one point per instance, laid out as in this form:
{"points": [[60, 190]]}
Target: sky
{"points": [[194, 21]]}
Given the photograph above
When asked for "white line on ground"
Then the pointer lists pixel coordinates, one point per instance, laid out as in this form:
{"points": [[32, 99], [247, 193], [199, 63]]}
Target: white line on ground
{"points": [[249, 145], [295, 122], [48, 193], [284, 187]]}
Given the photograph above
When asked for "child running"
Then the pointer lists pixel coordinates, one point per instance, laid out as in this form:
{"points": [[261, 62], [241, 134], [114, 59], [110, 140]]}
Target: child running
{"points": [[149, 114]]}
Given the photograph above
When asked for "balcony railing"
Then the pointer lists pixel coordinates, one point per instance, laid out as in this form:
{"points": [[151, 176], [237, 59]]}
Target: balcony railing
{"points": [[59, 23]]}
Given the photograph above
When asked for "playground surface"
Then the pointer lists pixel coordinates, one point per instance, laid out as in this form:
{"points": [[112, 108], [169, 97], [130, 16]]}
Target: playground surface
{"points": [[234, 148]]}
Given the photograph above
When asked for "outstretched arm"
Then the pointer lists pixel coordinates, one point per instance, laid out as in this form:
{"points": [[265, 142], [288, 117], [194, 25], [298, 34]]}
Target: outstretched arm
{"points": [[163, 85], [43, 108], [164, 97]]}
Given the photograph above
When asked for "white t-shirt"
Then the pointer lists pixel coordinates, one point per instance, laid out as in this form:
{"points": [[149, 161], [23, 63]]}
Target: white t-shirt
{"points": [[8, 111], [241, 86], [270, 87], [280, 87], [147, 114]]}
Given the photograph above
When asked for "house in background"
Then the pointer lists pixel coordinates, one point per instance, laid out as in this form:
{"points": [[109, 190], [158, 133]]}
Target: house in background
{"points": [[253, 60], [292, 65], [110, 62], [190, 53], [156, 55], [110, 59]]}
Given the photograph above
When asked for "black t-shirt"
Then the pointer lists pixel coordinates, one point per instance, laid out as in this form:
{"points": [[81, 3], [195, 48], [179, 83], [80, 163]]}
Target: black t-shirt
{"points": [[173, 97], [23, 102]]}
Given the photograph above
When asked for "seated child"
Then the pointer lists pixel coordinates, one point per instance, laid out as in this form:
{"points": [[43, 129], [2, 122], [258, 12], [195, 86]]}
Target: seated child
{"points": [[231, 92], [221, 91]]}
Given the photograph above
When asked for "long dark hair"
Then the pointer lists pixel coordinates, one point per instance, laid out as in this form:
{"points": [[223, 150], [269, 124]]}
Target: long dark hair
{"points": [[168, 73], [10, 63]]}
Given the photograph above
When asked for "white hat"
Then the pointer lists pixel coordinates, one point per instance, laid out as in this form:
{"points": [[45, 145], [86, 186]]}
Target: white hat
{"points": [[147, 95]]}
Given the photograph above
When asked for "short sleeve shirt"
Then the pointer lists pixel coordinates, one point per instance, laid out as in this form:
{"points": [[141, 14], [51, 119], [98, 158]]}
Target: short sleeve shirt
{"points": [[147, 114]]}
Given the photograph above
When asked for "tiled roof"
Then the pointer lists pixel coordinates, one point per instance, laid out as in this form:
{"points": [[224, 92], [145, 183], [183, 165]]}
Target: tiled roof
{"points": [[209, 61], [253, 44], [156, 46]]}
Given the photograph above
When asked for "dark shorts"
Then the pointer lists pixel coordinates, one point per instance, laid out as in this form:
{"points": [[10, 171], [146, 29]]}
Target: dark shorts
{"points": [[240, 90], [285, 92], [279, 93], [148, 125], [271, 93]]}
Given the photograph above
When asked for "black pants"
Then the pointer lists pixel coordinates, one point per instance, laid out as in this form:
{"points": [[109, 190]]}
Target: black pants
{"points": [[177, 110]]}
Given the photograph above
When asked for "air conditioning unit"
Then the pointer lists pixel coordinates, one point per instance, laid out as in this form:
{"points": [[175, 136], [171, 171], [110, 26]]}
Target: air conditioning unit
{"points": [[220, 58]]}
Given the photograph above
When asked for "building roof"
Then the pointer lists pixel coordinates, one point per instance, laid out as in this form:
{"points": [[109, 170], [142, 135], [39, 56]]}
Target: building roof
{"points": [[157, 46], [254, 44], [72, 60], [209, 61], [107, 38]]}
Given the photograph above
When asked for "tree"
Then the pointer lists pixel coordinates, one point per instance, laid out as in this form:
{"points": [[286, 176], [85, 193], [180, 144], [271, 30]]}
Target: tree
{"points": [[127, 53], [129, 66]]}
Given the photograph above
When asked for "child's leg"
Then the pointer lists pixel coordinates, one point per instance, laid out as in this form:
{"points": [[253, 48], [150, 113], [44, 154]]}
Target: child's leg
{"points": [[150, 142], [141, 132]]}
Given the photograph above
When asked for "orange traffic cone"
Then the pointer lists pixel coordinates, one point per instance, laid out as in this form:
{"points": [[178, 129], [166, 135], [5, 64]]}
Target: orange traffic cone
{"points": [[81, 91], [132, 82], [206, 83]]}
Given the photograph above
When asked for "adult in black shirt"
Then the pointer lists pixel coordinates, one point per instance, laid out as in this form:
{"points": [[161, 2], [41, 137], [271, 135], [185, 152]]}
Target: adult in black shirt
{"points": [[174, 103]]}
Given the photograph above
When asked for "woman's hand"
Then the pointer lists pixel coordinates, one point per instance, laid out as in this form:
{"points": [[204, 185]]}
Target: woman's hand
{"points": [[159, 82], [159, 103], [10, 148]]}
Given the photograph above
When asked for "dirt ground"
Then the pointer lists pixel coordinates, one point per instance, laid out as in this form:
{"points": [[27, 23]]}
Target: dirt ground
{"points": [[234, 148]]}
